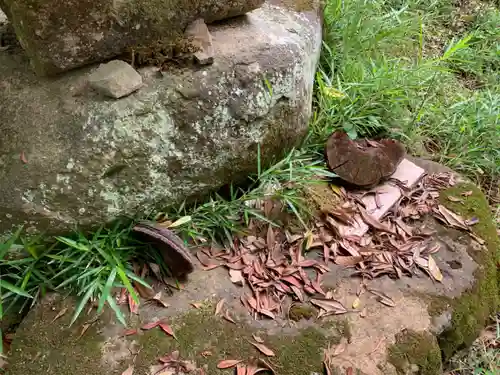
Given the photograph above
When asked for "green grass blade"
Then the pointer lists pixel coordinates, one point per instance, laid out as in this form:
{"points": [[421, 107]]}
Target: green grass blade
{"points": [[16, 290], [117, 310], [83, 302], [106, 291]]}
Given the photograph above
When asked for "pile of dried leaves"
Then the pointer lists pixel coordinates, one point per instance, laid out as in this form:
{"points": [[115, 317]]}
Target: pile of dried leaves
{"points": [[274, 267]]}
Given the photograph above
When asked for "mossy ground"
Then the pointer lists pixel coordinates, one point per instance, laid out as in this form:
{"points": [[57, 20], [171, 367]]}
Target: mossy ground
{"points": [[199, 331], [43, 346], [415, 348], [472, 310]]}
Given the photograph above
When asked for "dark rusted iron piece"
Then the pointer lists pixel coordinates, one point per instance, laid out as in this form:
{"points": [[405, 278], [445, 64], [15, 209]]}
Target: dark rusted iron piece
{"points": [[176, 255], [363, 163]]}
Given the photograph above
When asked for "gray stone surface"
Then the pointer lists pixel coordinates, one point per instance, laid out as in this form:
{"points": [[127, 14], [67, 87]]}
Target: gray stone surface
{"points": [[187, 132], [59, 35], [115, 79]]}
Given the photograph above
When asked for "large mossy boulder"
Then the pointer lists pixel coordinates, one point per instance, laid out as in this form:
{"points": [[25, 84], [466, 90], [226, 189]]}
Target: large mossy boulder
{"points": [[59, 35], [70, 157]]}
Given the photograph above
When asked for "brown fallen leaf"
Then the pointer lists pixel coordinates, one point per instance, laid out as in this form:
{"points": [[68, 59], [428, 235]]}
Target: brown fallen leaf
{"points": [[151, 325], [258, 339], [158, 299], [467, 193], [130, 332], [348, 261], [228, 363], [60, 314], [271, 239], [327, 368], [241, 369], [218, 307], [197, 305], [452, 218], [236, 277], [228, 317], [167, 329], [297, 292], [329, 305], [128, 371], [383, 298], [451, 198], [373, 222], [85, 327], [144, 291], [132, 305], [23, 158], [434, 269], [263, 349]]}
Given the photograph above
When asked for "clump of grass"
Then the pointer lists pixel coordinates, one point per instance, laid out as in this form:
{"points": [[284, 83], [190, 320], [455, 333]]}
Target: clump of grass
{"points": [[90, 266]]}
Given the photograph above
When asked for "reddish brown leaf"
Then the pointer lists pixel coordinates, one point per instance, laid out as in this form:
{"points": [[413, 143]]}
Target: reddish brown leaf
{"points": [[292, 280], [371, 221], [151, 325], [219, 306], [203, 258], [258, 339], [241, 369], [60, 314], [167, 329], [327, 368], [228, 363], [326, 254], [347, 261], [85, 327], [228, 317], [308, 263], [329, 305], [130, 332], [23, 158], [349, 371], [211, 267], [123, 297], [383, 298], [197, 305], [298, 293], [267, 313], [128, 371], [271, 239], [263, 349], [132, 305]]}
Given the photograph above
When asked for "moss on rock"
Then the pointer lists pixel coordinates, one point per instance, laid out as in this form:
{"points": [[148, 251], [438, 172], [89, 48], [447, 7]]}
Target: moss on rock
{"points": [[200, 332], [472, 310], [414, 349]]}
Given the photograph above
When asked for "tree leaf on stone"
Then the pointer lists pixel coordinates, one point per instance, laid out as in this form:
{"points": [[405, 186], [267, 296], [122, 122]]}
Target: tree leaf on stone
{"points": [[167, 329], [373, 222], [452, 218], [383, 298], [218, 307], [130, 332], [60, 314], [228, 363], [263, 349], [228, 317], [158, 299], [434, 269], [329, 305], [258, 339], [183, 220], [128, 371], [151, 325]]}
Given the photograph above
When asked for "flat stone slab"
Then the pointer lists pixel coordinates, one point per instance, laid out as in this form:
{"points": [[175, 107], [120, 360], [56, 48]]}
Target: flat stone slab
{"points": [[426, 318], [59, 35], [71, 157], [115, 79]]}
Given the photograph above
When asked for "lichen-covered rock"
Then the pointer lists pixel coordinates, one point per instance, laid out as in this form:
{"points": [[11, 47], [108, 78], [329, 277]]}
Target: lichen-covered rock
{"points": [[59, 35], [87, 160]]}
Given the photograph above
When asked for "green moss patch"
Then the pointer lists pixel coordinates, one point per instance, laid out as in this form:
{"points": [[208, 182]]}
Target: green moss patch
{"points": [[200, 332], [416, 349], [472, 310]]}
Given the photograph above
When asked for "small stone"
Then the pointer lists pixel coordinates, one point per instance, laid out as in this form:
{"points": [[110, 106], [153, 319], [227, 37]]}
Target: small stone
{"points": [[200, 35], [115, 79]]}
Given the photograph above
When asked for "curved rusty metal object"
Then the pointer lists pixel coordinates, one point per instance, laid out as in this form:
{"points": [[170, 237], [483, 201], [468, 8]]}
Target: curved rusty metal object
{"points": [[176, 255]]}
